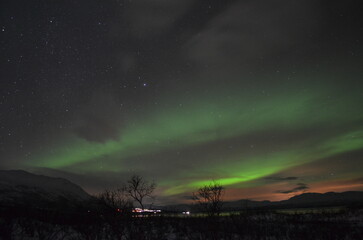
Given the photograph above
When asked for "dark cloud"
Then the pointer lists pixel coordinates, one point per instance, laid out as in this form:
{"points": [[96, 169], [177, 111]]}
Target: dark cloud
{"points": [[189, 197], [149, 18], [101, 118], [275, 178], [300, 187], [338, 165], [251, 30], [357, 180], [96, 129]]}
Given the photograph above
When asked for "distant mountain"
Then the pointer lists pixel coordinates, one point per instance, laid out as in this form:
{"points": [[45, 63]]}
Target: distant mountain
{"points": [[303, 200], [21, 187], [326, 198]]}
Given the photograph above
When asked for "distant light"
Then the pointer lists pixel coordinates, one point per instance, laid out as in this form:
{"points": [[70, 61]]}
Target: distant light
{"points": [[139, 210]]}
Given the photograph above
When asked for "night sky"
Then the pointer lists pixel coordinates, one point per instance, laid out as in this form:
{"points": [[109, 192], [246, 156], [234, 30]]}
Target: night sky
{"points": [[265, 97]]}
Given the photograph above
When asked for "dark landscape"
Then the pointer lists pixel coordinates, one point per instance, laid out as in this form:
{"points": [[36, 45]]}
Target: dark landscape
{"points": [[40, 207]]}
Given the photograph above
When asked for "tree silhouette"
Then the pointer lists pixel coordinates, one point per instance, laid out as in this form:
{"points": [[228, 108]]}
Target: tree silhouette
{"points": [[210, 198], [138, 189], [116, 200]]}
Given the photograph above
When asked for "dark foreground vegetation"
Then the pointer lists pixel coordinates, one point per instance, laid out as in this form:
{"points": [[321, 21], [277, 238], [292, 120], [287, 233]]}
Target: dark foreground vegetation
{"points": [[85, 221], [30, 212]]}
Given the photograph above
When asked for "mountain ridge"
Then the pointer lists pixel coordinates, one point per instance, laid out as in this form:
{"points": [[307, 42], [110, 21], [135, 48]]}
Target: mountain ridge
{"points": [[24, 187], [327, 199]]}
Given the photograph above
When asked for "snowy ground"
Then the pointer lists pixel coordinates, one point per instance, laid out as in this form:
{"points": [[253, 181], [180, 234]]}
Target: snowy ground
{"points": [[255, 225]]}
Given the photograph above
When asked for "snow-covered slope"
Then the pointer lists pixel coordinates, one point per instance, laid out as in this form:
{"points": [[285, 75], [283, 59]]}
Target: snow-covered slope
{"points": [[18, 185]]}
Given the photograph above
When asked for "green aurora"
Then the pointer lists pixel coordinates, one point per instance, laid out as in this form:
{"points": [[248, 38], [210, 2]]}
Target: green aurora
{"points": [[199, 122]]}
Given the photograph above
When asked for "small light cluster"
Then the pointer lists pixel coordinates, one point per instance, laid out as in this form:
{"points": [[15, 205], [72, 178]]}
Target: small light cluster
{"points": [[139, 210]]}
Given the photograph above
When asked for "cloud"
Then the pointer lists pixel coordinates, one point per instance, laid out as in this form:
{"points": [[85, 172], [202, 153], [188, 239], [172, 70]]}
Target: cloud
{"points": [[253, 30], [189, 197], [149, 18], [275, 178], [96, 129], [300, 187], [100, 120], [340, 165]]}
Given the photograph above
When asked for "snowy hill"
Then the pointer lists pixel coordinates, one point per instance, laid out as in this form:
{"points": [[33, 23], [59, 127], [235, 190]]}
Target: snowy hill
{"points": [[17, 186]]}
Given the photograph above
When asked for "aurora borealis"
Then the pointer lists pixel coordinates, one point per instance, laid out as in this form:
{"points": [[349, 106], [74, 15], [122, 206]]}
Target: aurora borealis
{"points": [[265, 98]]}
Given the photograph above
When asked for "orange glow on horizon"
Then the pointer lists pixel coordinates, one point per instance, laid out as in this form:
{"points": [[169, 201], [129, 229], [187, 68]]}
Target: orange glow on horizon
{"points": [[270, 192]]}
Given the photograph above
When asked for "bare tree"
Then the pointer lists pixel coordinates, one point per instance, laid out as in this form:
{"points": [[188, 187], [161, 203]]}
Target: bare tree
{"points": [[138, 189], [210, 198], [116, 199]]}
